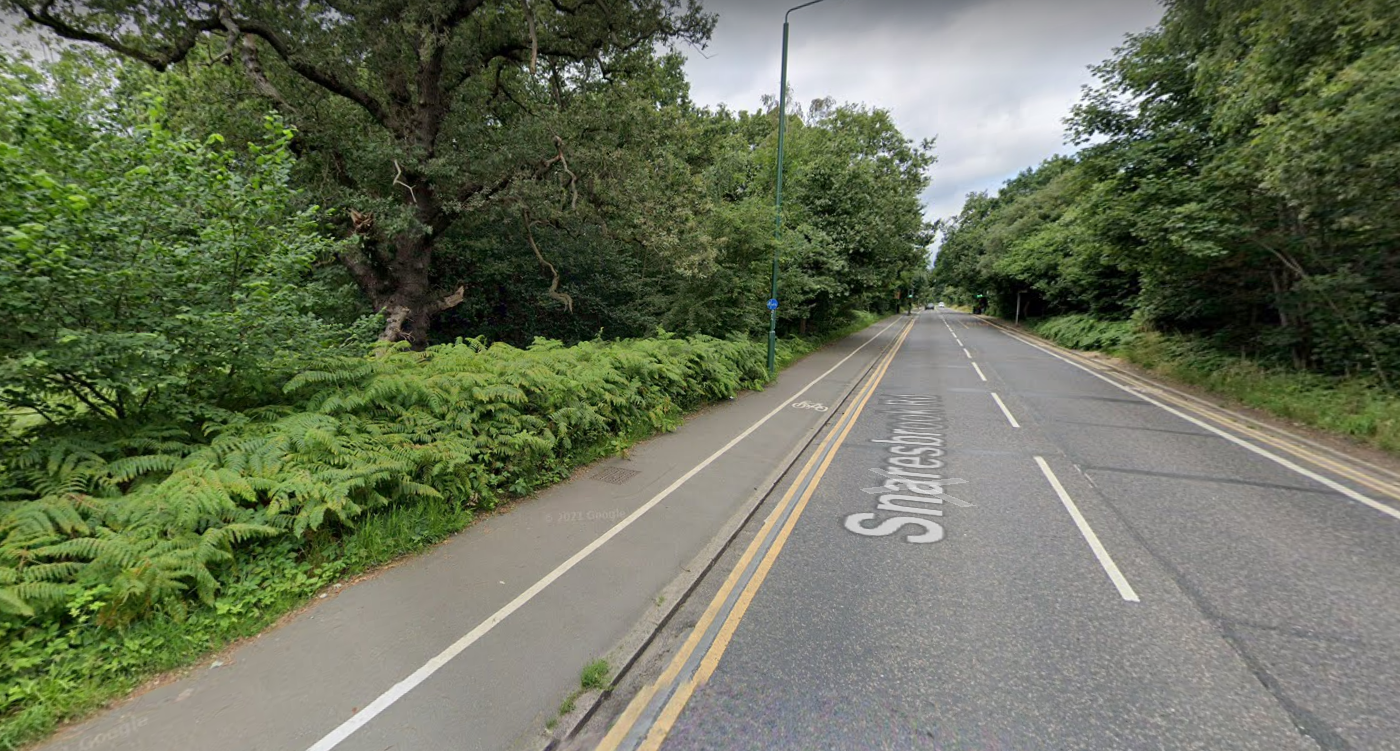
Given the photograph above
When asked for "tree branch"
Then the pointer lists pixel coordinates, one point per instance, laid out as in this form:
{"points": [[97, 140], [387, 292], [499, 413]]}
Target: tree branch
{"points": [[43, 16], [323, 78], [485, 192], [573, 179], [459, 14], [362, 271], [450, 300], [534, 38], [251, 64], [553, 291]]}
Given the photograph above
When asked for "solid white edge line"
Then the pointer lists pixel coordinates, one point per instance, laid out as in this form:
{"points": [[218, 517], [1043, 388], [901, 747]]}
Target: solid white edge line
{"points": [[1005, 411], [1105, 560], [398, 690], [1311, 475], [979, 371]]}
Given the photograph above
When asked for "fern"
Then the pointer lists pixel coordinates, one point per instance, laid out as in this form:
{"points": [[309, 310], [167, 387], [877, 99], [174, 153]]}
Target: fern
{"points": [[156, 515], [11, 603]]}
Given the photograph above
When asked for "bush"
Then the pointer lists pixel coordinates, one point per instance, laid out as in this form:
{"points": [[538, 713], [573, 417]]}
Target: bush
{"points": [[1355, 407], [1079, 331], [142, 271], [155, 515]]}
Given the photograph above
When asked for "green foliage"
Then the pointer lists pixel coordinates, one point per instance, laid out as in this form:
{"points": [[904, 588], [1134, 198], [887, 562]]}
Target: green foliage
{"points": [[1079, 331], [155, 515], [104, 535], [1239, 188], [142, 270], [431, 119], [687, 238], [595, 675]]}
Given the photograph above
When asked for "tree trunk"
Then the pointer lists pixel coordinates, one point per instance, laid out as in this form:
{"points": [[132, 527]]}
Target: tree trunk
{"points": [[397, 279]]}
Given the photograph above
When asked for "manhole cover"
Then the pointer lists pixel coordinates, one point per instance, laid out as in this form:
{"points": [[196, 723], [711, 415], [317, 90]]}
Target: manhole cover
{"points": [[615, 475]]}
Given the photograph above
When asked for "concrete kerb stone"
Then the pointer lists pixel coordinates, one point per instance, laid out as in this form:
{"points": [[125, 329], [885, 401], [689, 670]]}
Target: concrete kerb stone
{"points": [[631, 646]]}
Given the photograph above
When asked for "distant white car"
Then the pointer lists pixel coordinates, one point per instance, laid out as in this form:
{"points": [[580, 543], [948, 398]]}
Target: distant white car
{"points": [[941, 305]]}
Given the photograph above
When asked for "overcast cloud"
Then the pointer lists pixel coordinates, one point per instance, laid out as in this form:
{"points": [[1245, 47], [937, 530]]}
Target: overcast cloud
{"points": [[991, 79]]}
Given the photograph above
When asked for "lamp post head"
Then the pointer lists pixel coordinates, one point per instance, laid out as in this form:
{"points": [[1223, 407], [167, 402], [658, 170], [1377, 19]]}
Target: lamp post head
{"points": [[798, 7]]}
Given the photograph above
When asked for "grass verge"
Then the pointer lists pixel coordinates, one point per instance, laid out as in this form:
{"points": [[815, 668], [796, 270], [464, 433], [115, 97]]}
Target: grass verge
{"points": [[1353, 407]]}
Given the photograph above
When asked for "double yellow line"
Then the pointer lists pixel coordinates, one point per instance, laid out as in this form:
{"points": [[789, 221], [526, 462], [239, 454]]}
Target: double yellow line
{"points": [[672, 681], [1348, 467]]}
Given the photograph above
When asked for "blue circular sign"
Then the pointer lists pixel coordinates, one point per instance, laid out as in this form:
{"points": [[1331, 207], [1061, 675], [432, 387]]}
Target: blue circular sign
{"points": [[773, 304]]}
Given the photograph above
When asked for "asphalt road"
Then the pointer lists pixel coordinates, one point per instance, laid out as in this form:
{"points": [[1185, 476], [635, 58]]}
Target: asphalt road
{"points": [[1087, 570]]}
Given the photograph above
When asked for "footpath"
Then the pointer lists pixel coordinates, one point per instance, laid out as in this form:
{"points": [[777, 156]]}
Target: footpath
{"points": [[477, 643]]}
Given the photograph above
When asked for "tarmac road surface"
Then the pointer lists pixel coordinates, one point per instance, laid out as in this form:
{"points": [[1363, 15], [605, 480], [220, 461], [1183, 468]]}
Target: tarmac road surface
{"points": [[997, 548]]}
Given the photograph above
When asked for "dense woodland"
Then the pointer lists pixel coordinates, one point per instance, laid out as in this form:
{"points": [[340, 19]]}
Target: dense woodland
{"points": [[1239, 182], [289, 290]]}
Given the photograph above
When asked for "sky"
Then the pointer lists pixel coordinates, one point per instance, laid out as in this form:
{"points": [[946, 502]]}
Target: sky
{"points": [[992, 80]]}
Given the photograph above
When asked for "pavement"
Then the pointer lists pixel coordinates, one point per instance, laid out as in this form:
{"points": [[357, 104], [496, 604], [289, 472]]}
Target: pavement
{"points": [[475, 644], [1073, 559]]}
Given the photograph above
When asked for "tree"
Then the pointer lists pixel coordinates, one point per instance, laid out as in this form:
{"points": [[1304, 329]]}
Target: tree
{"points": [[142, 271], [1240, 184], [413, 116]]}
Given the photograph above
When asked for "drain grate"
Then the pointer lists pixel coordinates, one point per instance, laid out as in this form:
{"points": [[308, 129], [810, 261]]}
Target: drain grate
{"points": [[614, 475]]}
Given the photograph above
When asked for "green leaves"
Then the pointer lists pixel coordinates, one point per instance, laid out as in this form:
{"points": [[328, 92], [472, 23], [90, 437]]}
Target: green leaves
{"points": [[157, 515], [146, 272], [1242, 188]]}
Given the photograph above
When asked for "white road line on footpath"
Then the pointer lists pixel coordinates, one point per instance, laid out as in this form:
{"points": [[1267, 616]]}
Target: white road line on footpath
{"points": [[1121, 582], [400, 689], [979, 371], [1005, 411], [1271, 456]]}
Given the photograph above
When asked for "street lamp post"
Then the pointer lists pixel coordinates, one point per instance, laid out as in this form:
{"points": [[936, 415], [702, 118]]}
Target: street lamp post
{"points": [[778, 226]]}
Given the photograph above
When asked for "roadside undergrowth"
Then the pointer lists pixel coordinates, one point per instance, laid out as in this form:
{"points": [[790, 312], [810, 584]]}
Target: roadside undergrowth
{"points": [[1354, 407], [371, 460]]}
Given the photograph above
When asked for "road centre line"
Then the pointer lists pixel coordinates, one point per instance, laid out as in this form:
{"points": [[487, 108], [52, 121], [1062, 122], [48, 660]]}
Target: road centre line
{"points": [[1105, 560], [979, 371], [1281, 461], [1009, 418], [675, 689], [400, 689], [965, 352]]}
